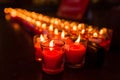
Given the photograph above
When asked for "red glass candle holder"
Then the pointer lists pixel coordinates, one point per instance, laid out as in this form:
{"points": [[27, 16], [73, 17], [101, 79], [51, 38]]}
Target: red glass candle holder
{"points": [[38, 54], [75, 54], [52, 60]]}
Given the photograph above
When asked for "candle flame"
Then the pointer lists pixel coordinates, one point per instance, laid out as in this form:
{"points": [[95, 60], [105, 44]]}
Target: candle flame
{"points": [[51, 44], [56, 21], [95, 34], [41, 38], [66, 27], [44, 25], [102, 31], [51, 28], [78, 39], [40, 17], [74, 28], [38, 23], [90, 28], [79, 26], [63, 34], [56, 31], [83, 31]]}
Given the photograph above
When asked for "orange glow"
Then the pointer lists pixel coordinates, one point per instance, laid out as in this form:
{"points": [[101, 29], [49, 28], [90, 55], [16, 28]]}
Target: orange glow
{"points": [[73, 24], [83, 31], [51, 44], [33, 21], [40, 17], [13, 13], [38, 23], [7, 17], [66, 27], [78, 39], [46, 19], [28, 19], [102, 31], [39, 59], [42, 38], [52, 20], [56, 31], [56, 22], [44, 26], [74, 28], [51, 28], [95, 34], [63, 34], [79, 26], [90, 28], [16, 26]]}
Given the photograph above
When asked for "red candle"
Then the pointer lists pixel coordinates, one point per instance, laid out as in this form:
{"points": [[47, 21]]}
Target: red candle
{"points": [[38, 53], [52, 58], [75, 54]]}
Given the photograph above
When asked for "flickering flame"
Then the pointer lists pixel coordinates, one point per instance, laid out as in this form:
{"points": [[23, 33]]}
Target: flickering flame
{"points": [[79, 26], [78, 39], [72, 24], [51, 44], [62, 25], [45, 36], [38, 23], [56, 31], [52, 20], [63, 34], [95, 34], [74, 28], [41, 38], [40, 17], [83, 31], [102, 31], [90, 28], [51, 28], [66, 27], [44, 25], [56, 21]]}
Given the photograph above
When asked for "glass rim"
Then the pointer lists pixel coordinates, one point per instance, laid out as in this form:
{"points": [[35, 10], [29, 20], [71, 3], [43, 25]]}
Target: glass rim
{"points": [[42, 44]]}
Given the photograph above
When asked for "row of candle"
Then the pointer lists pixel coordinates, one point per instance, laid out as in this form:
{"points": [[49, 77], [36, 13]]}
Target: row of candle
{"points": [[54, 30], [48, 25], [54, 53]]}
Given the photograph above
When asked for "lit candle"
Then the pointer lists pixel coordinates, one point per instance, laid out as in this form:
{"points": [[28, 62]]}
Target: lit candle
{"points": [[74, 30], [67, 40], [50, 31], [75, 54], [106, 41], [52, 55], [37, 47], [81, 26], [56, 34], [95, 38]]}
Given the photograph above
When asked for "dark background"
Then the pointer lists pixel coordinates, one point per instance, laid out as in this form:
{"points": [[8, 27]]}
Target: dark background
{"points": [[17, 51]]}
